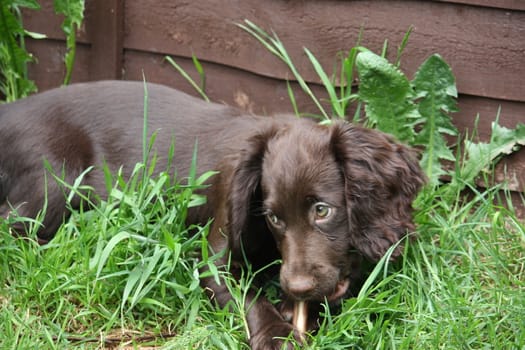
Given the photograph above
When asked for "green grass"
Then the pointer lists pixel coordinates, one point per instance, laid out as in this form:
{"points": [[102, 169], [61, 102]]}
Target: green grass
{"points": [[127, 273], [126, 270]]}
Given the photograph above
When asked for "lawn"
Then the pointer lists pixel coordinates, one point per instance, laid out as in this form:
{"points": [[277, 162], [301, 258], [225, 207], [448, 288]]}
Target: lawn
{"points": [[126, 275]]}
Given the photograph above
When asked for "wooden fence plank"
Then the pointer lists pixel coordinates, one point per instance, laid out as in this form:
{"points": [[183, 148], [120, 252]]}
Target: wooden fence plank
{"points": [[224, 84], [268, 95], [503, 4], [104, 25], [49, 70], [484, 46]]}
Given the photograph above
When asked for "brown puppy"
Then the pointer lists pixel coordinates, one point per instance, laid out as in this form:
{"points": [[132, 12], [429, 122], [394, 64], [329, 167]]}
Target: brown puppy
{"points": [[320, 197]]}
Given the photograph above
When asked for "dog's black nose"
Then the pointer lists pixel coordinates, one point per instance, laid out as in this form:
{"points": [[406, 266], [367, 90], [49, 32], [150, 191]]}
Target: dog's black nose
{"points": [[300, 286]]}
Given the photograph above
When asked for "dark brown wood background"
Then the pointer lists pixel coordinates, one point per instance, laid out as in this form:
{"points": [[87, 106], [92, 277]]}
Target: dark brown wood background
{"points": [[482, 40]]}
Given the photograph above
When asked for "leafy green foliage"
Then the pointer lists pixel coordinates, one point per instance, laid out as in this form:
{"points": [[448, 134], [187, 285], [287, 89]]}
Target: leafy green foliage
{"points": [[388, 96], [480, 156], [415, 112], [73, 10], [14, 82], [132, 256], [435, 87]]}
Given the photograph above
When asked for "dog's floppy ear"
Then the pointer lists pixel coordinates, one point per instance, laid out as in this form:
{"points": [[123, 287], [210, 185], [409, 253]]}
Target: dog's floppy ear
{"points": [[382, 177], [245, 195]]}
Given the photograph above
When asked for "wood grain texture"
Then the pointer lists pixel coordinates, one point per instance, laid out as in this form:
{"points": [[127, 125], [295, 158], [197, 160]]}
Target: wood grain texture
{"points": [[246, 90], [49, 70], [484, 46]]}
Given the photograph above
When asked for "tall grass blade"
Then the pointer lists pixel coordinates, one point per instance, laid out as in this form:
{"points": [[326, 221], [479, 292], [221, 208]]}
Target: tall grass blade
{"points": [[188, 78], [276, 47], [402, 46], [200, 70], [100, 261], [328, 84], [291, 96]]}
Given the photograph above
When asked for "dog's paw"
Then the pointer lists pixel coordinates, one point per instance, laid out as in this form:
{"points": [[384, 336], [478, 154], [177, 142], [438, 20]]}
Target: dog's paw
{"points": [[276, 336]]}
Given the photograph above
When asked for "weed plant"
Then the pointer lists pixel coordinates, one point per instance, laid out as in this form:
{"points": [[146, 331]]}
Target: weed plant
{"points": [[14, 58]]}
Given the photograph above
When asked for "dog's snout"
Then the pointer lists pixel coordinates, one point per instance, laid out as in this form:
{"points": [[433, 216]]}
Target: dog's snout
{"points": [[300, 285]]}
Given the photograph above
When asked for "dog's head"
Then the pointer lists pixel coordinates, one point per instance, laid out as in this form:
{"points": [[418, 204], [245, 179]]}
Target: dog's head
{"points": [[326, 193]]}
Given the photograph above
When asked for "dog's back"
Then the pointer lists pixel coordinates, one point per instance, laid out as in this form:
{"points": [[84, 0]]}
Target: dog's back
{"points": [[83, 125]]}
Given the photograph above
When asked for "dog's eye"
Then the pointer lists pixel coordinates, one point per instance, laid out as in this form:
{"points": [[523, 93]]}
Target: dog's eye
{"points": [[322, 211], [273, 219]]}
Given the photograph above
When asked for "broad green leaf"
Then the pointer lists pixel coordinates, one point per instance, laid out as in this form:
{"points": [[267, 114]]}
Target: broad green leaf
{"points": [[435, 87], [481, 156], [388, 96], [35, 35], [72, 9]]}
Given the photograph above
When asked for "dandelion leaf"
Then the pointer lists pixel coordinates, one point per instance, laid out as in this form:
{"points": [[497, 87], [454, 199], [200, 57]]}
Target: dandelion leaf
{"points": [[481, 156], [388, 96], [435, 89]]}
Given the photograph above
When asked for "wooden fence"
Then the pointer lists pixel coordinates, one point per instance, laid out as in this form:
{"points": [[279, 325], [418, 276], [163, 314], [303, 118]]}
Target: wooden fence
{"points": [[482, 40]]}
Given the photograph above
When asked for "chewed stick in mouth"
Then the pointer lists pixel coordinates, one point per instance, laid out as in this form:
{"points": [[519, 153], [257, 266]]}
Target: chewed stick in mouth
{"points": [[300, 316]]}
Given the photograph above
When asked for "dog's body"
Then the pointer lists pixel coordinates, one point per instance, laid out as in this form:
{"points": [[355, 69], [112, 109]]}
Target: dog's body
{"points": [[320, 197], [88, 124]]}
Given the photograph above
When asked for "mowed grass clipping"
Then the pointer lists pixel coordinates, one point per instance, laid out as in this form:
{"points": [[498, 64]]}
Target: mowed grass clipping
{"points": [[126, 275]]}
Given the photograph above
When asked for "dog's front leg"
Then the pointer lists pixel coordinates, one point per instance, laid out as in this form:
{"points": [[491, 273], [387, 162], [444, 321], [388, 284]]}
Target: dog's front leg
{"points": [[267, 328]]}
